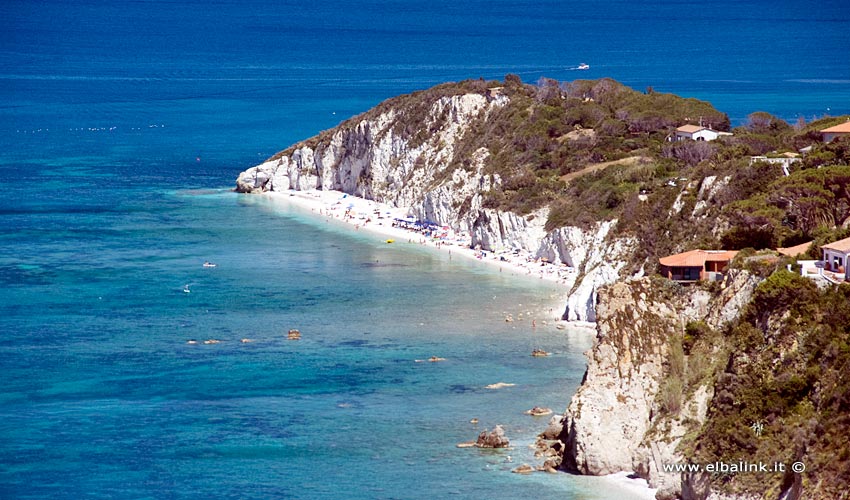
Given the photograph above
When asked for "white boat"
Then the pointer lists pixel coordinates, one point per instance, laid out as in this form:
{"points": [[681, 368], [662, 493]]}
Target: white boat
{"points": [[209, 264], [583, 66]]}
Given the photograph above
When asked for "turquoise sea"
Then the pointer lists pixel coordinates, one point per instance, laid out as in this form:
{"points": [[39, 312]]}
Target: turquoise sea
{"points": [[123, 125]]}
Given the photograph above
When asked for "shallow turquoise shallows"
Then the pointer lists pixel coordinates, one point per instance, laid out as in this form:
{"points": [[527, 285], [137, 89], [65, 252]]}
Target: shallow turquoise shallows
{"points": [[122, 126], [103, 393]]}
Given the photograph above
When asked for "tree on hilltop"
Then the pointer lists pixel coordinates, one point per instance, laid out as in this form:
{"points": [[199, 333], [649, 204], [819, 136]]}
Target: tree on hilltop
{"points": [[762, 122]]}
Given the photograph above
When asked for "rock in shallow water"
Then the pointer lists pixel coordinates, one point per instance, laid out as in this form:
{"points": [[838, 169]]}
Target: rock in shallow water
{"points": [[538, 411], [523, 469], [493, 439], [554, 429]]}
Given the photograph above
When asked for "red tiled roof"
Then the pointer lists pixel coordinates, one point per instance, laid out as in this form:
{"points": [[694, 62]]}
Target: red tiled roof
{"points": [[689, 129], [795, 250], [842, 127], [840, 245], [697, 258]]}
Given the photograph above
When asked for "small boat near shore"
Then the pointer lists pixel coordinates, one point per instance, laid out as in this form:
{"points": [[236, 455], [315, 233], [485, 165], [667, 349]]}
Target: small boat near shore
{"points": [[583, 66]]}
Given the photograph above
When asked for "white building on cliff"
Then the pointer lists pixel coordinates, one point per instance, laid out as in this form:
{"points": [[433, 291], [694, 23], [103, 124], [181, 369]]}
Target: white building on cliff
{"points": [[698, 133]]}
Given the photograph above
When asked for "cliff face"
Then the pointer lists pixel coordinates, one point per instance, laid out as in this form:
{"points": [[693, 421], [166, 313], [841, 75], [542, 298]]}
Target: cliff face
{"points": [[376, 157], [610, 413], [597, 258], [782, 396], [642, 394]]}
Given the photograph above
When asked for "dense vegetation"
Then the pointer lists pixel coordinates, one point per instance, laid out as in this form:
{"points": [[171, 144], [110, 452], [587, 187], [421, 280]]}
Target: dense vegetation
{"points": [[598, 150], [784, 394], [551, 130]]}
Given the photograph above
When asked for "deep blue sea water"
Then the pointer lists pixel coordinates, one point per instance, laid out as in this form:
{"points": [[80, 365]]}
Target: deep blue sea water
{"points": [[124, 123]]}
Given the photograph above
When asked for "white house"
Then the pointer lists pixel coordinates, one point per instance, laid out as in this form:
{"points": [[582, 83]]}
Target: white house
{"points": [[835, 256], [784, 161], [698, 133], [840, 130]]}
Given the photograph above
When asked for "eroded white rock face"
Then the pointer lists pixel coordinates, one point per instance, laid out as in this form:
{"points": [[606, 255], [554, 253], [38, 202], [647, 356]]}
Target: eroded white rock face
{"points": [[615, 421], [597, 257], [374, 159], [610, 413]]}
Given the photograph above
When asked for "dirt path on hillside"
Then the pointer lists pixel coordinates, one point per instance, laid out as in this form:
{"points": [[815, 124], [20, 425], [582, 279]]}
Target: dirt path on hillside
{"points": [[626, 162]]}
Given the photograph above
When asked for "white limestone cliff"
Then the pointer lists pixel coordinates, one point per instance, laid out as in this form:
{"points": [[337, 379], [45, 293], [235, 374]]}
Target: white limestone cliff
{"points": [[597, 257], [610, 413], [376, 158], [615, 421]]}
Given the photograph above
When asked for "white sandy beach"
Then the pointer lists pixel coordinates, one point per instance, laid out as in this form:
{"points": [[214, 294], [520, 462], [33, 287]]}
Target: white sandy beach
{"points": [[377, 218], [634, 486]]}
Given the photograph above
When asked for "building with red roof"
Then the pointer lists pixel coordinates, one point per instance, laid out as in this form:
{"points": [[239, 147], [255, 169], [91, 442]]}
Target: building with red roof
{"points": [[696, 265], [835, 256], [832, 133]]}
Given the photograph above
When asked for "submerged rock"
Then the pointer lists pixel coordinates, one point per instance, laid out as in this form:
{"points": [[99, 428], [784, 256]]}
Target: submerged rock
{"points": [[538, 411], [523, 469], [499, 385]]}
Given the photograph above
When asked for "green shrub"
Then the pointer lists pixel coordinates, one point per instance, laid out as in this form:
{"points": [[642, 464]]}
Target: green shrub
{"points": [[694, 330], [671, 395], [787, 373]]}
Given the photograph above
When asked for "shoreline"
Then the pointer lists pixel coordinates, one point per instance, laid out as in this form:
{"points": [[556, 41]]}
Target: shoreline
{"points": [[635, 486], [376, 218], [352, 212]]}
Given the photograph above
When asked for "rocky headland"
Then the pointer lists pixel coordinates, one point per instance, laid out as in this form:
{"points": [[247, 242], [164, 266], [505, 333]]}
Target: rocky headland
{"points": [[735, 374], [374, 156], [586, 175], [635, 404]]}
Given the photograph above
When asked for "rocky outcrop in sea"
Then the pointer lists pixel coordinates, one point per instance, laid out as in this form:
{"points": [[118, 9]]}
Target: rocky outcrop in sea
{"points": [[493, 439]]}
